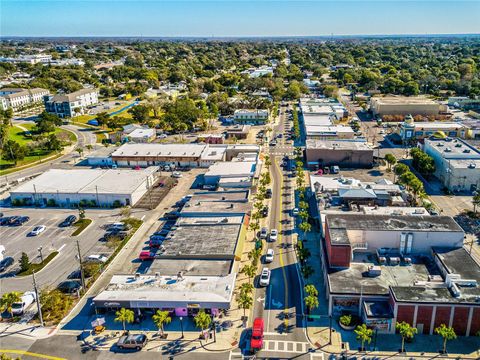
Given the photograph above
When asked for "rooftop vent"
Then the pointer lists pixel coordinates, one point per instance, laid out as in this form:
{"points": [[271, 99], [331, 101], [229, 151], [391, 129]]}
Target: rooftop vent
{"points": [[448, 149], [137, 276], [458, 145], [440, 144], [472, 166], [466, 151]]}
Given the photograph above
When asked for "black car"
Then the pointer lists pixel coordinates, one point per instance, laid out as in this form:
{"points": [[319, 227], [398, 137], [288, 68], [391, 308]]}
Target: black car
{"points": [[5, 220], [69, 286], [6, 263], [121, 235], [20, 220], [268, 193], [171, 215], [265, 211], [68, 221]]}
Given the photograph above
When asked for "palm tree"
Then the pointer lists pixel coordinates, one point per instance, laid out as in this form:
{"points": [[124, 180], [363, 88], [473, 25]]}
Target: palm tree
{"points": [[303, 214], [124, 316], [363, 334], [249, 270], [406, 331], [476, 201], [311, 302], [79, 150], [311, 290], [246, 288], [254, 255], [305, 227], [447, 333], [202, 320], [161, 318], [8, 299], [244, 301]]}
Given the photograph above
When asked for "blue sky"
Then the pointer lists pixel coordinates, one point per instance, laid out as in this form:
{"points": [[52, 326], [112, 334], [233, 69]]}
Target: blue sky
{"points": [[236, 18]]}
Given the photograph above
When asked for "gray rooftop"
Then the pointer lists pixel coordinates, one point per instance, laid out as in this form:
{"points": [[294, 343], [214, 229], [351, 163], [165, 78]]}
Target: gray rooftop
{"points": [[214, 208], [191, 267], [338, 145], [236, 196], [203, 241]]}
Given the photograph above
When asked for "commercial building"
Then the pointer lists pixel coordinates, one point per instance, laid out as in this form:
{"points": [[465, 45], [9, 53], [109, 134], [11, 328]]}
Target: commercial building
{"points": [[258, 72], [231, 174], [331, 132], [92, 187], [71, 105], [411, 130], [457, 163], [344, 153], [18, 98], [239, 132], [28, 59], [211, 138], [251, 116], [183, 295], [389, 269], [403, 105], [464, 102], [142, 135]]}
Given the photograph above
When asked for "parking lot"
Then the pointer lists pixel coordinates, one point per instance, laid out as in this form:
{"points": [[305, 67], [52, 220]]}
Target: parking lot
{"points": [[15, 239]]}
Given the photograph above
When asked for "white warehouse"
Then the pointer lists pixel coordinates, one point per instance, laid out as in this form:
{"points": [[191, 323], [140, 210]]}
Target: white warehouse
{"points": [[91, 187]]}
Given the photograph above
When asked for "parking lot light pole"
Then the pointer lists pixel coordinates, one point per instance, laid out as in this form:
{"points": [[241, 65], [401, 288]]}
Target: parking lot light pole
{"points": [[181, 325], [41, 255], [37, 297]]}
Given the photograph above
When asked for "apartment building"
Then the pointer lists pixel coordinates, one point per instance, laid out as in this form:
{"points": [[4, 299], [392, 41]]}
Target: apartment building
{"points": [[71, 105], [251, 116], [17, 98]]}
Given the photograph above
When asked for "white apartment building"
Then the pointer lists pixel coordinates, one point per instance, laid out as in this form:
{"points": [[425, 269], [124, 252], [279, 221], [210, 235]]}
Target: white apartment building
{"points": [[71, 105], [251, 116], [16, 98], [28, 59]]}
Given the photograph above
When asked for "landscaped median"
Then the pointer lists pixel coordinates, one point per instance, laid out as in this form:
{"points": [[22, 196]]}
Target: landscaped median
{"points": [[31, 267], [81, 225]]}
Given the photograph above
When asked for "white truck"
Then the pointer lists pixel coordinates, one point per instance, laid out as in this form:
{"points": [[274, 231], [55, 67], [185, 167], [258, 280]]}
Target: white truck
{"points": [[27, 299]]}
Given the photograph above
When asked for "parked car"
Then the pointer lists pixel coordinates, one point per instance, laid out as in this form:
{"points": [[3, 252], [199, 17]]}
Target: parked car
{"points": [[146, 255], [268, 193], [18, 308], [136, 342], [263, 233], [334, 169], [37, 230], [96, 258], [68, 221], [171, 215], [6, 263], [269, 256], [176, 174], [265, 211], [265, 277], [273, 235], [117, 226], [256, 342], [295, 212], [69, 286]]}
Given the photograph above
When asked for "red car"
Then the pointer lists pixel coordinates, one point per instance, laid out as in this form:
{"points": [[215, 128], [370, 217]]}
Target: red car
{"points": [[256, 342], [146, 255]]}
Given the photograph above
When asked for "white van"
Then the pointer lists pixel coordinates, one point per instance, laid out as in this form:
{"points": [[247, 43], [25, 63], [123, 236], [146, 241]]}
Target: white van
{"points": [[19, 308]]}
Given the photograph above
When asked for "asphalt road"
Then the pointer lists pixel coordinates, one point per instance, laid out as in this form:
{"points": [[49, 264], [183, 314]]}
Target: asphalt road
{"points": [[280, 304]]}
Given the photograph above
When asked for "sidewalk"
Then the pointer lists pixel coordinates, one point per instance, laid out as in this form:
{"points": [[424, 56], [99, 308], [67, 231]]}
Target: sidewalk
{"points": [[32, 331]]}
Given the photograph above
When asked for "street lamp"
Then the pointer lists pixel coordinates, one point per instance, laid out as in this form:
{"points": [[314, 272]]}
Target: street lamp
{"points": [[181, 325], [41, 255]]}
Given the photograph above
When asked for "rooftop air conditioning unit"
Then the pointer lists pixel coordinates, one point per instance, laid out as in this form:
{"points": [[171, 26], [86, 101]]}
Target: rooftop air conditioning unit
{"points": [[448, 149], [440, 144], [394, 260], [472, 166], [455, 290]]}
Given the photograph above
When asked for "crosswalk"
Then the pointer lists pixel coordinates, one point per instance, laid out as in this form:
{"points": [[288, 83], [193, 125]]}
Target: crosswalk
{"points": [[281, 346]]}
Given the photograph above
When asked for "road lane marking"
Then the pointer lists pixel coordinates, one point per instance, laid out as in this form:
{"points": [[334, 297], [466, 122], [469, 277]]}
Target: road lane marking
{"points": [[28, 353], [61, 247]]}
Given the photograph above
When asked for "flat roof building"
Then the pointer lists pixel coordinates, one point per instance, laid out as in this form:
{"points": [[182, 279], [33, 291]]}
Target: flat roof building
{"points": [[457, 164], [403, 105], [251, 116], [93, 187], [344, 153], [331, 132]]}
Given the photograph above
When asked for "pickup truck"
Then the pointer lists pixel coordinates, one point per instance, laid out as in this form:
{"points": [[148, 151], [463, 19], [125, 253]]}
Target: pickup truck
{"points": [[18, 308]]}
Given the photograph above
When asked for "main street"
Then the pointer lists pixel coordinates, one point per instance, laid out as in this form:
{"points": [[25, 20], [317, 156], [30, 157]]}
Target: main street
{"points": [[281, 303]]}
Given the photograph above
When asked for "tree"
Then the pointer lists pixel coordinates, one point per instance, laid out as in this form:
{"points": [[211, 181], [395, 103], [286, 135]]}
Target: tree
{"points": [[476, 201], [202, 320], [244, 301], [447, 333], [102, 118], [81, 213], [79, 150], [13, 151], [8, 299], [304, 215], [254, 255], [24, 262], [311, 302], [52, 143], [417, 187], [140, 113], [305, 227], [364, 334], [246, 288], [124, 316], [391, 160], [400, 169], [311, 290], [249, 270], [406, 331], [161, 318]]}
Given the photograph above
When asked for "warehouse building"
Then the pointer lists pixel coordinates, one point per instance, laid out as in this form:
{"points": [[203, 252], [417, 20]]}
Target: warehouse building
{"points": [[409, 129], [344, 153], [404, 105], [90, 187], [457, 163]]}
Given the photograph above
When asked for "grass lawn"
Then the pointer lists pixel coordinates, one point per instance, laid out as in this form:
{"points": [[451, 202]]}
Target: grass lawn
{"points": [[81, 225], [17, 134], [124, 114]]}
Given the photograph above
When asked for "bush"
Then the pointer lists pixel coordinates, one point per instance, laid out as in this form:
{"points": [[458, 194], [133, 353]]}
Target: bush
{"points": [[117, 204], [51, 203], [346, 320]]}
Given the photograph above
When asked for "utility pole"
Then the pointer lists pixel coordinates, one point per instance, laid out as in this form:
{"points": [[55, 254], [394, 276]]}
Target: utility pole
{"points": [[96, 192], [39, 308], [81, 265]]}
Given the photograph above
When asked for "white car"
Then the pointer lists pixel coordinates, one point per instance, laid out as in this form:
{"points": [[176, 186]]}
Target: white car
{"points": [[269, 256], [37, 230], [26, 300], [265, 277], [295, 212], [177, 175], [273, 235], [263, 233], [96, 258]]}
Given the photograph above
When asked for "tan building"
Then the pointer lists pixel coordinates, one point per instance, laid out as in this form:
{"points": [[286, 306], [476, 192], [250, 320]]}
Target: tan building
{"points": [[404, 105]]}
